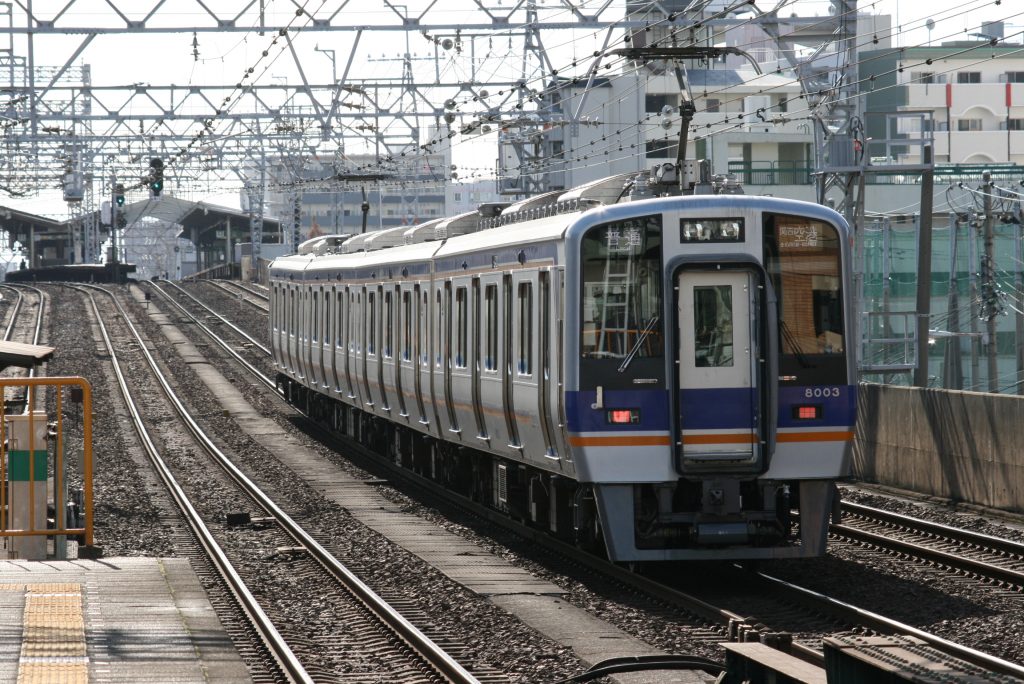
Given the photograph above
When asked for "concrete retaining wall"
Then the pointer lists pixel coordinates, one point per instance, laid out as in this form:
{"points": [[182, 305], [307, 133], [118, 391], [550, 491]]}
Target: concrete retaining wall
{"points": [[965, 446]]}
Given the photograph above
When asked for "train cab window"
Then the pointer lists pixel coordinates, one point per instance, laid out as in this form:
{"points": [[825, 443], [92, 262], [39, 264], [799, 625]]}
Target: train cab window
{"points": [[491, 327], [621, 318], [802, 256], [461, 326], [524, 349], [712, 322], [371, 331]]}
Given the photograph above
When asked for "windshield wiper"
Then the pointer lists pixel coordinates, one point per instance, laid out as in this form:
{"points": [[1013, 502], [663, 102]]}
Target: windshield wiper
{"points": [[636, 345]]}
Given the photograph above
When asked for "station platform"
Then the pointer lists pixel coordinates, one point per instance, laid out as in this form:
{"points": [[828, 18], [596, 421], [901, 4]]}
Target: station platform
{"points": [[111, 620]]}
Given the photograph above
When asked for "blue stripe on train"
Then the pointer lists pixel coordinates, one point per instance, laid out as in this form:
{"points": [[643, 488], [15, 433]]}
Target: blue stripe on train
{"points": [[652, 403], [838, 402], [709, 409], [723, 408]]}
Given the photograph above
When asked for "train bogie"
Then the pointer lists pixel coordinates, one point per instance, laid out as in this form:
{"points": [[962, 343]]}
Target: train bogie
{"points": [[666, 379]]}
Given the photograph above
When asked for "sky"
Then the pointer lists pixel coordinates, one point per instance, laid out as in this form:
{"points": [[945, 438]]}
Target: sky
{"points": [[186, 59]]}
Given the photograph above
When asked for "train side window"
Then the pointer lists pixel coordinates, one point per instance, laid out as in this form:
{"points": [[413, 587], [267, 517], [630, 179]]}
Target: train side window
{"points": [[440, 331], [315, 323], [406, 325], [424, 331], [389, 327], [491, 320], [339, 319], [291, 311], [524, 363], [461, 327], [371, 313]]}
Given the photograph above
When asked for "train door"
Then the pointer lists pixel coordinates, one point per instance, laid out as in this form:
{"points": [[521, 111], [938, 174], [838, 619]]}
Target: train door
{"points": [[545, 383], [353, 362], [301, 331], [525, 369], [476, 360], [290, 334], [338, 354], [461, 374], [719, 405], [449, 360], [421, 351], [507, 362], [321, 316], [489, 375], [403, 351], [369, 322]]}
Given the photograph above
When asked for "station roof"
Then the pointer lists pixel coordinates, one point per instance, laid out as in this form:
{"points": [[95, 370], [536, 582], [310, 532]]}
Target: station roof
{"points": [[198, 219], [23, 355]]}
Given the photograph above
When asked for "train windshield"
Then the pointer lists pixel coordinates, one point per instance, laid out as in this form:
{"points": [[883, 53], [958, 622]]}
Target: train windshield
{"points": [[803, 261], [621, 299]]}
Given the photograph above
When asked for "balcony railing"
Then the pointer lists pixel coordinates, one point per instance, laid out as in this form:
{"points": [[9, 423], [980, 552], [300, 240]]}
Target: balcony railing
{"points": [[794, 173]]}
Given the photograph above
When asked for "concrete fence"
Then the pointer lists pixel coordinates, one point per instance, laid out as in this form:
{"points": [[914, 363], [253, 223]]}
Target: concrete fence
{"points": [[966, 446]]}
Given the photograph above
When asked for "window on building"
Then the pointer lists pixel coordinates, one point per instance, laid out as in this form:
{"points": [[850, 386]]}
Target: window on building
{"points": [[1015, 124], [654, 103], [661, 149], [968, 125], [458, 197], [927, 77], [1015, 76], [968, 77], [712, 105]]}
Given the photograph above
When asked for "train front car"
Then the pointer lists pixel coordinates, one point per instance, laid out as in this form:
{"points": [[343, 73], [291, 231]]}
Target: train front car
{"points": [[710, 382]]}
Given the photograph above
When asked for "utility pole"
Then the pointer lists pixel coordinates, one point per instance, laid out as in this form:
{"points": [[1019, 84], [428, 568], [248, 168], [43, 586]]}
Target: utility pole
{"points": [[988, 286], [924, 270], [113, 228]]}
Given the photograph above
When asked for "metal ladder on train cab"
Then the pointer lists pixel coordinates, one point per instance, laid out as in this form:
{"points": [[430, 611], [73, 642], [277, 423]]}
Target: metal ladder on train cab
{"points": [[623, 279]]}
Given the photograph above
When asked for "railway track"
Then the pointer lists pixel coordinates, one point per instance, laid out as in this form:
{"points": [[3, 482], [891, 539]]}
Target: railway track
{"points": [[412, 651], [253, 297], [26, 330], [983, 556], [778, 602]]}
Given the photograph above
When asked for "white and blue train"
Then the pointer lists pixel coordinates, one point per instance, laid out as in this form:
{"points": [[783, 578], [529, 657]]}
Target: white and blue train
{"points": [[665, 378]]}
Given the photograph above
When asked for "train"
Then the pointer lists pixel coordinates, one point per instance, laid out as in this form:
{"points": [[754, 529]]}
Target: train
{"points": [[649, 374]]}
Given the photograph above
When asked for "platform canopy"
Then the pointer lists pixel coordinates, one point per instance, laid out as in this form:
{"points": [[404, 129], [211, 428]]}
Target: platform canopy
{"points": [[23, 355]]}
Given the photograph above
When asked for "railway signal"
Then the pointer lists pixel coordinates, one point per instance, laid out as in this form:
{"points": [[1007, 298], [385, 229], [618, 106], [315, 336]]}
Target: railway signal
{"points": [[156, 176], [119, 194]]}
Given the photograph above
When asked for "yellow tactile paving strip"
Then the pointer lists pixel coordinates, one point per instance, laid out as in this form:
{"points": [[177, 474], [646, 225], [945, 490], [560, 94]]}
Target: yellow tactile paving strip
{"points": [[53, 638]]}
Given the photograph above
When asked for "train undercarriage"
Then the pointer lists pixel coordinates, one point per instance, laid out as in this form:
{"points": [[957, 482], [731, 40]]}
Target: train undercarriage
{"points": [[666, 518]]}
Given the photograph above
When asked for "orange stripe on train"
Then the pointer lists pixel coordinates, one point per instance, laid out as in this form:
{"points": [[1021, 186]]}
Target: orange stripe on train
{"points": [[839, 436]]}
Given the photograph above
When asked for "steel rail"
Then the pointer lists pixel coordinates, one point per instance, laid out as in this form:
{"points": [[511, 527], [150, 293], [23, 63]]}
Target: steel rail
{"points": [[263, 305], [692, 603], [985, 541], [883, 624], [245, 287], [272, 639], [223, 320], [433, 654]]}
